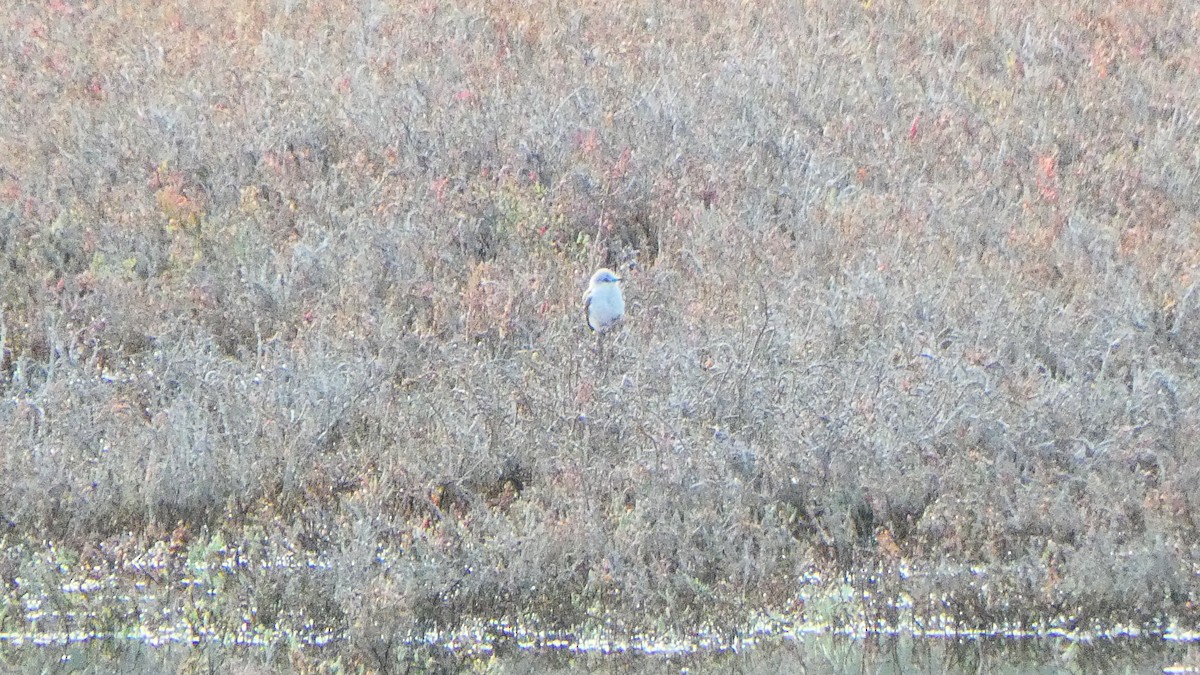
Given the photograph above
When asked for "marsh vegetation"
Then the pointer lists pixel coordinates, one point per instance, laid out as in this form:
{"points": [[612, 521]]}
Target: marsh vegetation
{"points": [[290, 297]]}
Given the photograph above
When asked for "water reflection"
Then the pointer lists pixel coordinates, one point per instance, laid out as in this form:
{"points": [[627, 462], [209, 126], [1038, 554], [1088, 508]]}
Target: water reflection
{"points": [[157, 610], [823, 653]]}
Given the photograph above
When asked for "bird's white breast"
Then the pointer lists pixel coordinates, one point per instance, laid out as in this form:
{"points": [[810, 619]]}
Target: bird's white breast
{"points": [[605, 306]]}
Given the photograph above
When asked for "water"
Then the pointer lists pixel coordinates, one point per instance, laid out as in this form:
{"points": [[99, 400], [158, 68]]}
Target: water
{"points": [[816, 653], [157, 613]]}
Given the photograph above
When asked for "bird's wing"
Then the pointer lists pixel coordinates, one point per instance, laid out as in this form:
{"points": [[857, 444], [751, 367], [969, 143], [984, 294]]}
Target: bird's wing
{"points": [[587, 309]]}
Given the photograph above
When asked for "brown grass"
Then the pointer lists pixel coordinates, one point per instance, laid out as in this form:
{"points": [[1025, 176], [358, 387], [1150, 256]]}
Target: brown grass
{"points": [[906, 283]]}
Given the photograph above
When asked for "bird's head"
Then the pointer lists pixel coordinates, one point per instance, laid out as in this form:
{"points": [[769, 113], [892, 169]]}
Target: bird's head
{"points": [[604, 276]]}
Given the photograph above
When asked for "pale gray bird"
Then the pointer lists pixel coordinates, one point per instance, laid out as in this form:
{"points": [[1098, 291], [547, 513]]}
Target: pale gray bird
{"points": [[603, 302]]}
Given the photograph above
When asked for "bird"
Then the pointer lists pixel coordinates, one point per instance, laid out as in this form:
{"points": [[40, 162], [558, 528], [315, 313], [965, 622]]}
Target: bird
{"points": [[603, 302]]}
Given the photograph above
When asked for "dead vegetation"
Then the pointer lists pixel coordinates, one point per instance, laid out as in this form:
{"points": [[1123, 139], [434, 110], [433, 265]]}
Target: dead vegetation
{"points": [[906, 283]]}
